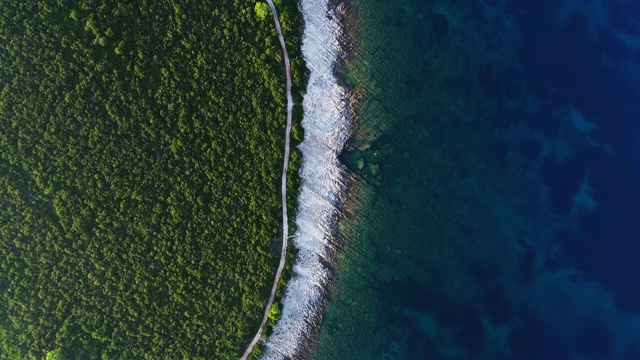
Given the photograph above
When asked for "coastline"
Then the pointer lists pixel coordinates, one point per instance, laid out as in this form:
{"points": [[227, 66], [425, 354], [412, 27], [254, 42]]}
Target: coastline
{"points": [[328, 123]]}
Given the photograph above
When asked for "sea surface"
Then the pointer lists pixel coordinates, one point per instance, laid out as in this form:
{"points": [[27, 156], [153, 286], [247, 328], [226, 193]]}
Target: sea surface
{"points": [[494, 182]]}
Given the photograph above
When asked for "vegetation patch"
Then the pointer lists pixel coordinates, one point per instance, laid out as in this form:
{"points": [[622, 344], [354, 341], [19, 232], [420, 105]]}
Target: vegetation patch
{"points": [[140, 159]]}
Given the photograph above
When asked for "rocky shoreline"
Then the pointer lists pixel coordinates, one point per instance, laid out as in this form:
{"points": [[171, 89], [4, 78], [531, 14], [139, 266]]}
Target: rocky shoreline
{"points": [[328, 122]]}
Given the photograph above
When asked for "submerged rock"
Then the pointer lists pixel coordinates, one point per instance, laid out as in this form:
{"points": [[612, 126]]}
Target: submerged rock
{"points": [[440, 26], [387, 149], [374, 169]]}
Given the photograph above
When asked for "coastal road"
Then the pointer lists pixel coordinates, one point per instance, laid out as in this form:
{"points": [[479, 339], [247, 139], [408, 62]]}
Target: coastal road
{"points": [[285, 167]]}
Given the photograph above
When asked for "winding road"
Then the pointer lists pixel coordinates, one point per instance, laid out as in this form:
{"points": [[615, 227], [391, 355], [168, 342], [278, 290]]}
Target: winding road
{"points": [[285, 167]]}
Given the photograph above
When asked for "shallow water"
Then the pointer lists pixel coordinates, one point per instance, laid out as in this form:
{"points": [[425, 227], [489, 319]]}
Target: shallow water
{"points": [[497, 156]]}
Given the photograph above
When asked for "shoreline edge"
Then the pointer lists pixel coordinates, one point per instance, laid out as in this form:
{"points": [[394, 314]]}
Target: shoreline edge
{"points": [[327, 123]]}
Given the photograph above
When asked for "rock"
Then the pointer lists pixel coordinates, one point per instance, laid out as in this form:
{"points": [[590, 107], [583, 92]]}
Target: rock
{"points": [[360, 163], [364, 146], [374, 169]]}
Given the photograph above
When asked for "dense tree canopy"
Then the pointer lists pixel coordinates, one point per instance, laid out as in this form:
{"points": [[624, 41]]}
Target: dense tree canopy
{"points": [[140, 158]]}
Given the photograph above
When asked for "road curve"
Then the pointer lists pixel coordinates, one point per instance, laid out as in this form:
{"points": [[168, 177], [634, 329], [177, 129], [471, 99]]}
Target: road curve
{"points": [[285, 167]]}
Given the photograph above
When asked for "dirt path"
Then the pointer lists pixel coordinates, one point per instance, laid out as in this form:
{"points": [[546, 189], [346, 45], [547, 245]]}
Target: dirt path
{"points": [[285, 167]]}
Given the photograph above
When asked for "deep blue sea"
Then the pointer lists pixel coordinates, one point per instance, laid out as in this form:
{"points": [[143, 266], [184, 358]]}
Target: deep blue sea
{"points": [[496, 207]]}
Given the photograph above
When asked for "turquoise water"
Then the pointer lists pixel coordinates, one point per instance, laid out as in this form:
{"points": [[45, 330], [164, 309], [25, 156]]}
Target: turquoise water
{"points": [[496, 204]]}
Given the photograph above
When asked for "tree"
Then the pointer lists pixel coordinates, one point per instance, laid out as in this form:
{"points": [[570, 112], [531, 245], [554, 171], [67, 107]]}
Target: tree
{"points": [[262, 10], [275, 313], [56, 354]]}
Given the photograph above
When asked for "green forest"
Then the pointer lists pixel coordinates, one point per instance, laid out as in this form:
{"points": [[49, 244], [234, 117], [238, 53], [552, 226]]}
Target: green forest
{"points": [[141, 148]]}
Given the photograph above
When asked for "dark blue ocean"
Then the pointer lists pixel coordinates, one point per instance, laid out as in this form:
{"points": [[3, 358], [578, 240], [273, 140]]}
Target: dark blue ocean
{"points": [[495, 210]]}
